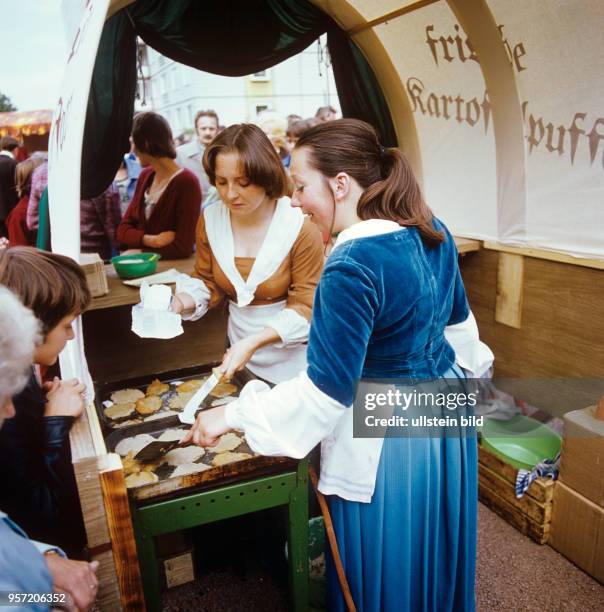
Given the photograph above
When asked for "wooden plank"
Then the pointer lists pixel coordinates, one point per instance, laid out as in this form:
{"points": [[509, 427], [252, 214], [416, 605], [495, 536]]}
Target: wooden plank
{"points": [[121, 295], [561, 337], [538, 512], [541, 489], [97, 533], [86, 436], [598, 264], [91, 501], [119, 522], [86, 440], [513, 516], [510, 280], [390, 16], [108, 596], [465, 245]]}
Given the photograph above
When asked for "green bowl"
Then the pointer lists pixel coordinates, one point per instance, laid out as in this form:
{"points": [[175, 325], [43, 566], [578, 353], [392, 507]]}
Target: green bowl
{"points": [[520, 441], [135, 265]]}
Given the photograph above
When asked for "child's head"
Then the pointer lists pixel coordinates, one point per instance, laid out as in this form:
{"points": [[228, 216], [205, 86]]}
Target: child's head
{"points": [[53, 286]]}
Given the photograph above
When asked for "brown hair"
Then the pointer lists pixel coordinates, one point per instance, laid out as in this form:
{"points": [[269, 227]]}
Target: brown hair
{"points": [[259, 159], [296, 128], [206, 113], [152, 135], [8, 143], [24, 173], [52, 285], [390, 189]]}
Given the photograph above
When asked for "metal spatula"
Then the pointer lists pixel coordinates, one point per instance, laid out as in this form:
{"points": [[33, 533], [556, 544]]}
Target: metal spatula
{"points": [[155, 450], [188, 414]]}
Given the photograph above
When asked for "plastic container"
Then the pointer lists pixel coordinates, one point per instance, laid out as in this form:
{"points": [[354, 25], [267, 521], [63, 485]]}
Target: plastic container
{"points": [[520, 441], [135, 265]]}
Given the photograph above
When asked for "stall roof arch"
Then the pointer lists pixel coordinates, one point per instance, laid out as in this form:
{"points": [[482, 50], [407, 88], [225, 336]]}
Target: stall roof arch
{"points": [[231, 39], [501, 121]]}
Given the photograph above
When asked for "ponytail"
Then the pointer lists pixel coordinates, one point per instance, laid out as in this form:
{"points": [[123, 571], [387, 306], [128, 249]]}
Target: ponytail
{"points": [[391, 191], [397, 197]]}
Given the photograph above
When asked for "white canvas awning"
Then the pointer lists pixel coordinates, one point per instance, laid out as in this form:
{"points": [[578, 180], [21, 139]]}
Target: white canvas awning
{"points": [[498, 104]]}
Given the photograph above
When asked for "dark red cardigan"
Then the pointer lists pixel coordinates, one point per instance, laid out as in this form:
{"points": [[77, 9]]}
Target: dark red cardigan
{"points": [[176, 210]]}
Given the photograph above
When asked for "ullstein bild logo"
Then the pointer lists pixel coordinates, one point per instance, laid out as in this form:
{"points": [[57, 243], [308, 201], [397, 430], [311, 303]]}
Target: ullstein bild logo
{"points": [[432, 408]]}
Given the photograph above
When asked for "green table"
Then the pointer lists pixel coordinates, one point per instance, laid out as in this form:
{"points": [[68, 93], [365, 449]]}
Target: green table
{"points": [[221, 502]]}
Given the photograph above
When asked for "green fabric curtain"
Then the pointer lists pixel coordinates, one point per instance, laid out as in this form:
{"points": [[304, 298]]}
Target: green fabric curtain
{"points": [[231, 38], [43, 235]]}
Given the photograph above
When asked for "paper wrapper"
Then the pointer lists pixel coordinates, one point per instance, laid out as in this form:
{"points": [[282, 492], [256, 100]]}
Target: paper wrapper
{"points": [[151, 318]]}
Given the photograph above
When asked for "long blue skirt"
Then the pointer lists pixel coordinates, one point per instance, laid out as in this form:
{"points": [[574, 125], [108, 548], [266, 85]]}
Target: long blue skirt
{"points": [[413, 548]]}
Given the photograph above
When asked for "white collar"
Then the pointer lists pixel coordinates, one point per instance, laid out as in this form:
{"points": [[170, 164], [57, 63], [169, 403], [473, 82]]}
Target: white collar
{"points": [[364, 229], [280, 237], [7, 154]]}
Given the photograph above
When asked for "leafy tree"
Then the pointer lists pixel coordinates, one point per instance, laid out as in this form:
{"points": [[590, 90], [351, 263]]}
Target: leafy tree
{"points": [[5, 104]]}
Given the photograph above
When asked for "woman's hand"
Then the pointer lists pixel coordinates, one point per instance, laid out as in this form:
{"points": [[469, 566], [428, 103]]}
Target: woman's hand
{"points": [[159, 241], [64, 397], [208, 427], [4, 243], [182, 302], [241, 352], [237, 356]]}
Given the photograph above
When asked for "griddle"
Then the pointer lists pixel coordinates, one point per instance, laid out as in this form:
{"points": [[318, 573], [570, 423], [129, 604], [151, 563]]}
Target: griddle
{"points": [[103, 392]]}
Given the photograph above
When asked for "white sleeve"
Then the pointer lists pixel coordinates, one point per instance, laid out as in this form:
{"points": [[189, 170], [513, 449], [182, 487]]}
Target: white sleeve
{"points": [[197, 289], [291, 326], [290, 419], [470, 353]]}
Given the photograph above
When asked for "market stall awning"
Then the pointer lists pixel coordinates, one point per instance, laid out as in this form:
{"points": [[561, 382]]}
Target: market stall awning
{"points": [[24, 123]]}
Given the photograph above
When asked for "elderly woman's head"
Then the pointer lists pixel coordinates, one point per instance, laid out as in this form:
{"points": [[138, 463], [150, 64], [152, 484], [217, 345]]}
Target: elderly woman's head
{"points": [[18, 338]]}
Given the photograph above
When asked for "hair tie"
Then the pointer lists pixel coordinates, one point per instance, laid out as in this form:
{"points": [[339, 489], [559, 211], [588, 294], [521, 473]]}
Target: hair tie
{"points": [[383, 153]]}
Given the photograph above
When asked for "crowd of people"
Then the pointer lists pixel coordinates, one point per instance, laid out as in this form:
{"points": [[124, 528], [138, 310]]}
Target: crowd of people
{"points": [[106, 220], [259, 202]]}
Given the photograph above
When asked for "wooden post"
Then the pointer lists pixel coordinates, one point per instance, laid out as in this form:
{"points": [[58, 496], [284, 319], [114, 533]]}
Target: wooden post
{"points": [[510, 279], [102, 490], [121, 533]]}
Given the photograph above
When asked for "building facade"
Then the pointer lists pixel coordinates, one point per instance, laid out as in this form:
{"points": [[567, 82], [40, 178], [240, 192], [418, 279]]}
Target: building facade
{"points": [[299, 85]]}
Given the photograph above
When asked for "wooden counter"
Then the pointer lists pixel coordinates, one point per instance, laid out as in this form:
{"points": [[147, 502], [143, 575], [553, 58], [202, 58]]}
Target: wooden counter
{"points": [[465, 245], [122, 295]]}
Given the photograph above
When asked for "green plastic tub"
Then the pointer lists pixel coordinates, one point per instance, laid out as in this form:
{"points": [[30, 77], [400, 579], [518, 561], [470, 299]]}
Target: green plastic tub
{"points": [[135, 265], [520, 441]]}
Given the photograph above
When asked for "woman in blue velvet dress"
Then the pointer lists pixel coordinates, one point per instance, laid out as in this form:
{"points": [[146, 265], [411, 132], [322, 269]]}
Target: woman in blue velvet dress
{"points": [[404, 509]]}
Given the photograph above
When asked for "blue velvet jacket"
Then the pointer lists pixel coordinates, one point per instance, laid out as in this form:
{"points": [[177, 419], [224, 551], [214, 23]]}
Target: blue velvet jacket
{"points": [[380, 311]]}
